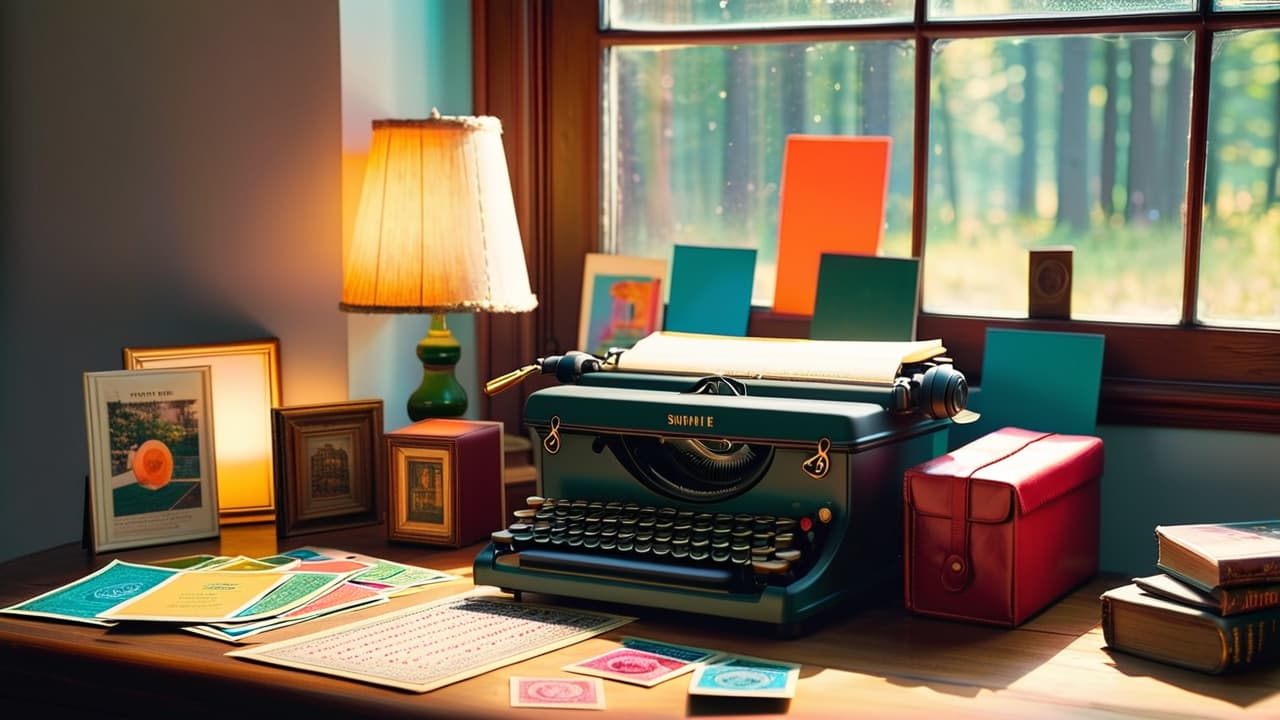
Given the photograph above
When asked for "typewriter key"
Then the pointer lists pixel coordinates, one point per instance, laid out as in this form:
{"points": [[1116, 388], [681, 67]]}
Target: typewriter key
{"points": [[790, 555], [502, 537], [770, 567], [535, 501]]}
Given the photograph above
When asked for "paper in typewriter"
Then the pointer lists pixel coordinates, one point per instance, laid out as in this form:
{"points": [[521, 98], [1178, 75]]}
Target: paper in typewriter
{"points": [[847, 361]]}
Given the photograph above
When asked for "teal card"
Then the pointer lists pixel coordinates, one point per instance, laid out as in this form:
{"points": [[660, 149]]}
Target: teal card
{"points": [[865, 297], [710, 290], [1036, 380]]}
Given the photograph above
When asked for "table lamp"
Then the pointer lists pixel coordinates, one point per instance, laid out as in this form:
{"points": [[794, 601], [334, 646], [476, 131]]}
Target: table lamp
{"points": [[435, 233]]}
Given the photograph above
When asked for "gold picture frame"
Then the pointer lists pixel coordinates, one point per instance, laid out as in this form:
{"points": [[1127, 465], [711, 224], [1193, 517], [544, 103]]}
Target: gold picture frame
{"points": [[246, 386], [328, 466], [152, 471]]}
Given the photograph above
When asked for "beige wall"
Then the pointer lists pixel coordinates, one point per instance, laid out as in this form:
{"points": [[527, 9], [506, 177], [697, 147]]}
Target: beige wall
{"points": [[171, 175]]}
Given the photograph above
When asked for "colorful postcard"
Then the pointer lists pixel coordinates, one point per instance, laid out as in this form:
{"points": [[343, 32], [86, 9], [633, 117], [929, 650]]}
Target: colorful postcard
{"points": [[86, 598], [743, 676], [686, 653], [629, 665], [559, 693], [197, 596], [623, 301]]}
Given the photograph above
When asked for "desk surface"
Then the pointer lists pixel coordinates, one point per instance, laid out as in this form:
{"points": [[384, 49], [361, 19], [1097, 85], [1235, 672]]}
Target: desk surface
{"points": [[878, 661]]}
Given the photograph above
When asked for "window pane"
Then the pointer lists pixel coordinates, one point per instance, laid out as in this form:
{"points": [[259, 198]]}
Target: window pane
{"points": [[1246, 5], [1022, 9], [1074, 141], [1240, 246], [694, 138], [738, 14]]}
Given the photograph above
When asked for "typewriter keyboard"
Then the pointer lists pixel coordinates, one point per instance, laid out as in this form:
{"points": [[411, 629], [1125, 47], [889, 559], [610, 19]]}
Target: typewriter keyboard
{"points": [[725, 551]]}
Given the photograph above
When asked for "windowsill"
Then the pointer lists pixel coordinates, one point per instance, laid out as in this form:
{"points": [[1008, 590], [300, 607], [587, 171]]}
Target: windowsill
{"points": [[1190, 388]]}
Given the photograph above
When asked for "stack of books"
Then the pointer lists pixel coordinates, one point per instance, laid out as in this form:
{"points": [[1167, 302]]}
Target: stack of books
{"points": [[1215, 605]]}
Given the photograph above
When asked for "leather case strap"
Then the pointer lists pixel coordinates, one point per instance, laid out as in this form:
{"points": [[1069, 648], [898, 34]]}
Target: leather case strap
{"points": [[956, 568]]}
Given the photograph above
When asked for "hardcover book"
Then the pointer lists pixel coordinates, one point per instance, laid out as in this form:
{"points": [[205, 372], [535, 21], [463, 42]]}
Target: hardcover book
{"points": [[1223, 601], [1212, 555], [1144, 625]]}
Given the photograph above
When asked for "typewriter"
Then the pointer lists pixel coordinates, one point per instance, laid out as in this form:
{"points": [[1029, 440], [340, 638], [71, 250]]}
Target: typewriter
{"points": [[706, 485]]}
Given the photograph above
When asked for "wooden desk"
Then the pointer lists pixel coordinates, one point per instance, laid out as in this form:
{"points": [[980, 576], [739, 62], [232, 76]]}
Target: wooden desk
{"points": [[876, 662]]}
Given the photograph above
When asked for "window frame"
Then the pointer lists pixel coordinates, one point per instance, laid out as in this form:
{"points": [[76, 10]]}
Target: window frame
{"points": [[1181, 375]]}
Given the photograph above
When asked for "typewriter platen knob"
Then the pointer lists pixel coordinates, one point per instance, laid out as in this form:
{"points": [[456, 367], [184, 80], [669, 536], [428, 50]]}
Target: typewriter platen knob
{"points": [[944, 392], [939, 392]]}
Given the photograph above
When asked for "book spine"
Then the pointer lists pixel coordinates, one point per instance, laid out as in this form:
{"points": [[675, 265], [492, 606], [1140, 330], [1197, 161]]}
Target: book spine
{"points": [[1248, 599], [1252, 643], [1246, 571]]}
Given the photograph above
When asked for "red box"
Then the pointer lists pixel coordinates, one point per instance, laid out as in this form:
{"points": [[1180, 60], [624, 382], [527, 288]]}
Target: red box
{"points": [[444, 480], [1000, 528]]}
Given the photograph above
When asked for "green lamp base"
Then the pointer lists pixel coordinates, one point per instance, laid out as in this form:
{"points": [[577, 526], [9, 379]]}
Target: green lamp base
{"points": [[440, 394]]}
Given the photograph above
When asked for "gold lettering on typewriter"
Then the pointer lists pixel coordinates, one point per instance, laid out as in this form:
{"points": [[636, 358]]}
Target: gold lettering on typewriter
{"points": [[699, 421]]}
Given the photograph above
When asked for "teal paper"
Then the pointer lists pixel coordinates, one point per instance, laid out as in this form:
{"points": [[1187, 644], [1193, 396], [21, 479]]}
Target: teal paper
{"points": [[710, 290], [865, 297], [1036, 380]]}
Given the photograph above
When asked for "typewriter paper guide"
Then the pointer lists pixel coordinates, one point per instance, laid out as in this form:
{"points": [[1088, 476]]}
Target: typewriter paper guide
{"points": [[847, 361]]}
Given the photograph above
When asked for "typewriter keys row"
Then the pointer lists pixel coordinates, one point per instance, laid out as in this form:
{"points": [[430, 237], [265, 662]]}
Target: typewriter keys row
{"points": [[763, 548]]}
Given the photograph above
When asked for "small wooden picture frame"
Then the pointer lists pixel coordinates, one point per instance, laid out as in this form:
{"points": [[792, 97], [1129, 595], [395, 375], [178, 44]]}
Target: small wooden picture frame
{"points": [[328, 466], [444, 480]]}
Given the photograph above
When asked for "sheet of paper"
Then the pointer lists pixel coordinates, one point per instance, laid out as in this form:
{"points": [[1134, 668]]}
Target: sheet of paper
{"points": [[832, 199], [710, 290], [850, 361], [434, 644]]}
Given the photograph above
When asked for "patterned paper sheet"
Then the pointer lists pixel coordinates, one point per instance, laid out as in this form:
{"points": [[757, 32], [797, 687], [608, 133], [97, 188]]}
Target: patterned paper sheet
{"points": [[432, 645]]}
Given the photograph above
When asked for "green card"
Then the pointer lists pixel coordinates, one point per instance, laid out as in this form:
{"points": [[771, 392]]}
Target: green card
{"points": [[865, 297], [1036, 380]]}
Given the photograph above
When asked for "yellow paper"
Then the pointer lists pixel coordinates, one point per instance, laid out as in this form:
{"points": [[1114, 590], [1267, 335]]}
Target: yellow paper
{"points": [[199, 596]]}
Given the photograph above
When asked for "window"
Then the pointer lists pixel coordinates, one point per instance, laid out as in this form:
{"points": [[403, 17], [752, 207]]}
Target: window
{"points": [[1015, 124]]}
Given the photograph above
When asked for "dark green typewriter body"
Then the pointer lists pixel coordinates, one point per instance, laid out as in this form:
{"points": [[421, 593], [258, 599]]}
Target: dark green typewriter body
{"points": [[768, 501]]}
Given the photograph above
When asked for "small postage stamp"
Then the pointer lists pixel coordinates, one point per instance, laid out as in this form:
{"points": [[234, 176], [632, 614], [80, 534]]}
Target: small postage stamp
{"points": [[638, 667], [742, 676], [552, 692]]}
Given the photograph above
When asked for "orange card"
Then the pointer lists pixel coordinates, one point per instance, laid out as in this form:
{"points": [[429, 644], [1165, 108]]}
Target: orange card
{"points": [[832, 200]]}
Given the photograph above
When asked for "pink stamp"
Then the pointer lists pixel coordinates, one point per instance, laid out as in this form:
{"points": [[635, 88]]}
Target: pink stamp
{"points": [[569, 693]]}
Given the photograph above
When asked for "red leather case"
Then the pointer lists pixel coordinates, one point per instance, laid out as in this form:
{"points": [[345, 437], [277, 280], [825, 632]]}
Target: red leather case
{"points": [[1000, 528]]}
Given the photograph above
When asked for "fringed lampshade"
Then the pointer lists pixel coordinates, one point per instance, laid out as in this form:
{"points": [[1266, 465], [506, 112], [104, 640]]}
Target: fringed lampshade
{"points": [[436, 232]]}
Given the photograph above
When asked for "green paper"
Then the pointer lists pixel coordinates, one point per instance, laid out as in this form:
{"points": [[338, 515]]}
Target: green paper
{"points": [[865, 297]]}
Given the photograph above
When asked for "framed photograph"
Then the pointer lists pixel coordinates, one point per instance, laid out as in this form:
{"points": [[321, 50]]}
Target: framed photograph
{"points": [[246, 386], [328, 466], [152, 476], [622, 301], [444, 482]]}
